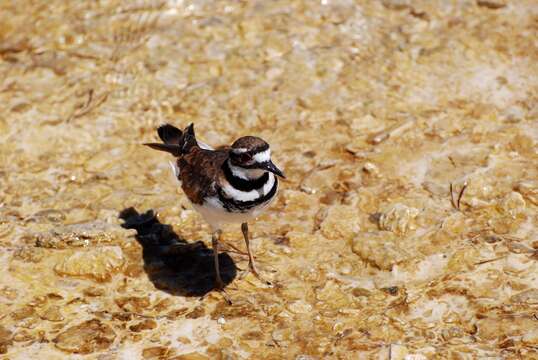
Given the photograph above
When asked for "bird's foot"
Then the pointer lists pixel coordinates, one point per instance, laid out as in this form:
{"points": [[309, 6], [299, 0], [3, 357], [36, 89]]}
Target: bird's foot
{"points": [[252, 269], [219, 286]]}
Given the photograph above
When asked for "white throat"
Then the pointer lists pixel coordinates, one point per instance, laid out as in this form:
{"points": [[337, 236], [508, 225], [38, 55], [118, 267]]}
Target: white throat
{"points": [[246, 174]]}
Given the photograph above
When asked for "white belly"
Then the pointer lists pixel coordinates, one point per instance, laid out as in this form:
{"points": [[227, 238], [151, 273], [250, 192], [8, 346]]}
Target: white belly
{"points": [[215, 215]]}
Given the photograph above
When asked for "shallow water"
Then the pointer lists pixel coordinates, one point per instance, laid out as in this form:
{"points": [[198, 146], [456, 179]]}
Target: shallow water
{"points": [[373, 109]]}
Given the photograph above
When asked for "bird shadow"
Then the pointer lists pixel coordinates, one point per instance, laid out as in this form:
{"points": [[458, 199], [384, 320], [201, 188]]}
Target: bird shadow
{"points": [[173, 264]]}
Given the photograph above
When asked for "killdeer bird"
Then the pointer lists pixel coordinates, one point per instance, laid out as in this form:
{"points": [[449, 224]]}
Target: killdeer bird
{"points": [[231, 184]]}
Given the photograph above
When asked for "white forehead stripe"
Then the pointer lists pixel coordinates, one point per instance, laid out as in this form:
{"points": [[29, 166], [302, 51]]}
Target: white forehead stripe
{"points": [[263, 156], [239, 150]]}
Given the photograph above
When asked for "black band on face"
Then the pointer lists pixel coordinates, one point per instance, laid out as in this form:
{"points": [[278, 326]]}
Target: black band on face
{"points": [[236, 157], [242, 184]]}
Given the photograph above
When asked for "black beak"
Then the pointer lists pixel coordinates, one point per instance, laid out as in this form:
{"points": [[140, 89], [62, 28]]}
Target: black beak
{"points": [[269, 166]]}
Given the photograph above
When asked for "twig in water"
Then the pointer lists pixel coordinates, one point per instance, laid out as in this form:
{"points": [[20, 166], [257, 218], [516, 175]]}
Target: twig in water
{"points": [[461, 194], [457, 204], [489, 260], [452, 196], [381, 136]]}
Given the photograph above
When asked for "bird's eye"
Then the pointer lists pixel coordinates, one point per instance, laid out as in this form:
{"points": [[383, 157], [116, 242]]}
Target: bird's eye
{"points": [[245, 157]]}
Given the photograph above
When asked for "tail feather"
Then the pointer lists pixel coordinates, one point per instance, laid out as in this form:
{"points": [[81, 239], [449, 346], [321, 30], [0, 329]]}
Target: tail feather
{"points": [[189, 139], [169, 148], [175, 141], [169, 134]]}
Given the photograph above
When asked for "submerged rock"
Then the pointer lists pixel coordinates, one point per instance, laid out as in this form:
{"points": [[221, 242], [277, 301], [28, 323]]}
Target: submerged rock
{"points": [[492, 4], [531, 338], [398, 352], [85, 338], [52, 313], [23, 312], [341, 222], [156, 352], [529, 190], [147, 324], [528, 296], [5, 339], [98, 264], [133, 303], [381, 249], [191, 356], [78, 235], [513, 204]]}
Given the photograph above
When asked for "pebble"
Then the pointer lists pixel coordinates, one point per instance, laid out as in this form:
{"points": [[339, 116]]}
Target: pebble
{"points": [[398, 218]]}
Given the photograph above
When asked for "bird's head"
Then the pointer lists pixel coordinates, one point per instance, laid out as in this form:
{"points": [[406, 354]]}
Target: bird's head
{"points": [[254, 155]]}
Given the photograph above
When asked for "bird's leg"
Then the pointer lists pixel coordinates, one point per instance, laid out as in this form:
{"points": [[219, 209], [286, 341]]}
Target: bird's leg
{"points": [[219, 284], [215, 243], [251, 265]]}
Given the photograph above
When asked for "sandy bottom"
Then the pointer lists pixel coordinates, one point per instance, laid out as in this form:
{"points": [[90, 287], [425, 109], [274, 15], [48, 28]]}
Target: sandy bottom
{"points": [[374, 109]]}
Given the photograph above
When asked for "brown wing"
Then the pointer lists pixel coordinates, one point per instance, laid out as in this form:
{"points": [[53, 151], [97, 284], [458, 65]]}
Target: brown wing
{"points": [[199, 170]]}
